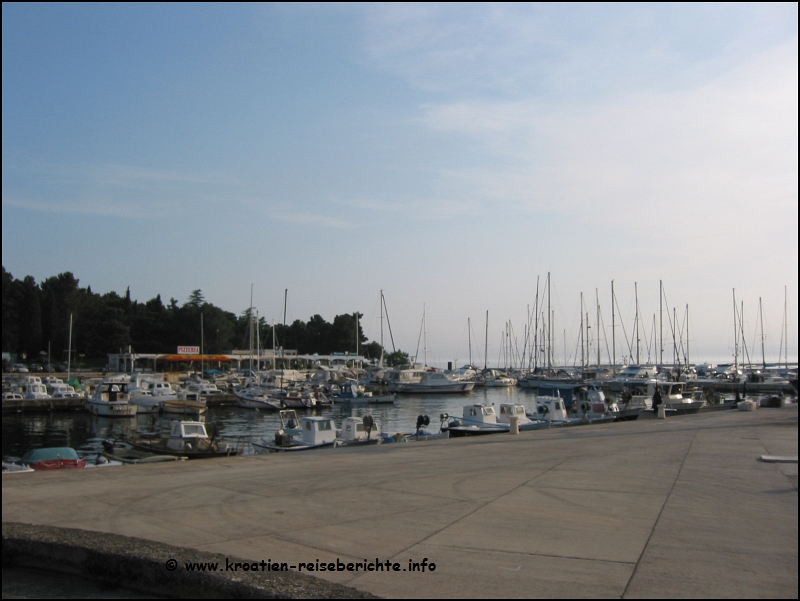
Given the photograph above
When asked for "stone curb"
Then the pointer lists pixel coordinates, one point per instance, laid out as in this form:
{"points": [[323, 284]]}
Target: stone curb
{"points": [[140, 565]]}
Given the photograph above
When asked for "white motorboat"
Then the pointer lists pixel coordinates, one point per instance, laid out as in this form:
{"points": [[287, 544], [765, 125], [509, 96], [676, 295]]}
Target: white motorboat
{"points": [[300, 398], [188, 439], [496, 379], [435, 382], [64, 391], [315, 432], [256, 397], [111, 399], [202, 388], [399, 378], [476, 419], [673, 399], [358, 430], [33, 388]]}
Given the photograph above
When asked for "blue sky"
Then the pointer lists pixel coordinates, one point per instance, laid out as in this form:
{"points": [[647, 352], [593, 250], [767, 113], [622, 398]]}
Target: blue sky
{"points": [[446, 154]]}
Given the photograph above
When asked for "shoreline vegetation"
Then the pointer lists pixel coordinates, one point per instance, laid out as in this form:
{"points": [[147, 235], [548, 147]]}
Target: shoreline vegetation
{"points": [[36, 318]]}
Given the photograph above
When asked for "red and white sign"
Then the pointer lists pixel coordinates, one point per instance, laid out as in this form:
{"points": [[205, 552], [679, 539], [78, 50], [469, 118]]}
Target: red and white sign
{"points": [[188, 350]]}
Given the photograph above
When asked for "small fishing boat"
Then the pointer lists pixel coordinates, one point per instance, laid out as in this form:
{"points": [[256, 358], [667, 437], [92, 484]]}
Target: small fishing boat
{"points": [[124, 453], [358, 431], [186, 439], [315, 432], [476, 419], [62, 458]]}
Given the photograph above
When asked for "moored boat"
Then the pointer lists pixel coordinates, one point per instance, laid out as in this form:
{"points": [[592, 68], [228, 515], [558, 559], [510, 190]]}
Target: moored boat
{"points": [[315, 432], [186, 439], [111, 399], [476, 419]]}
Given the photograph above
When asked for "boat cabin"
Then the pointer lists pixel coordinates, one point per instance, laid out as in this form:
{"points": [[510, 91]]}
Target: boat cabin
{"points": [[480, 414], [508, 410], [186, 435], [34, 390], [112, 392], [317, 431], [551, 408], [354, 428]]}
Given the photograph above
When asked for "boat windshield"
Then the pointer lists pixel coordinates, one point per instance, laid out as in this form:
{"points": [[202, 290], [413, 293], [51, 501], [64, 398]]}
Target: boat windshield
{"points": [[194, 430]]}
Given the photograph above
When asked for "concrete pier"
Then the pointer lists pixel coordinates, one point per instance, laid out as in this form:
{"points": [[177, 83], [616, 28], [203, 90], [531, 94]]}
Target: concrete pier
{"points": [[681, 507]]}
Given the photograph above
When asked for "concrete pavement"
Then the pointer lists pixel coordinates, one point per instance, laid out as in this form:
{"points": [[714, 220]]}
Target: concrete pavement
{"points": [[681, 507]]}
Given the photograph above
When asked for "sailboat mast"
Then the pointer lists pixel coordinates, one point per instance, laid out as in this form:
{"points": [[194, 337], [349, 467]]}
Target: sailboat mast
{"points": [[613, 332], [597, 331], [380, 364], [535, 354], [638, 339], [469, 337], [424, 337], [687, 335], [486, 343], [549, 332], [786, 331], [583, 340], [69, 350], [660, 323], [250, 326], [735, 336]]}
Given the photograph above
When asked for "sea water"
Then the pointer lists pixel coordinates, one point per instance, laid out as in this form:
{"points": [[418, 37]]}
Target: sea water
{"points": [[85, 432]]}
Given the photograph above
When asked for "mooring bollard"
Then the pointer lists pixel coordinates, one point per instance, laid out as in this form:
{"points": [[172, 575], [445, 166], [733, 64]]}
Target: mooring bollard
{"points": [[514, 421], [747, 406]]}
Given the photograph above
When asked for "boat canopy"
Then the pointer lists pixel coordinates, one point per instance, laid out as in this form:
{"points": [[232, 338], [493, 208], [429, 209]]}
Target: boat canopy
{"points": [[51, 454]]}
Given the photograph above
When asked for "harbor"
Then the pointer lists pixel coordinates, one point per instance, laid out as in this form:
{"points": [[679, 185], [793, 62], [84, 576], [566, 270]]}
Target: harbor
{"points": [[682, 507]]}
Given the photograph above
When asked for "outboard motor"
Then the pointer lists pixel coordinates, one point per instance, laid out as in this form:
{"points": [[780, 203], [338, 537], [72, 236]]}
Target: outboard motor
{"points": [[369, 423], [422, 421], [282, 439]]}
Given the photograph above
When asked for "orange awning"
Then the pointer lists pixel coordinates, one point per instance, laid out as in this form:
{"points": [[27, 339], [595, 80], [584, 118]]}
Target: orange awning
{"points": [[188, 358]]}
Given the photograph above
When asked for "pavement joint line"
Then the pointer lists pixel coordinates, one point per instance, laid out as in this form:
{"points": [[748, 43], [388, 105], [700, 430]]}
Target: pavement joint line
{"points": [[658, 518], [489, 502], [530, 554], [603, 490]]}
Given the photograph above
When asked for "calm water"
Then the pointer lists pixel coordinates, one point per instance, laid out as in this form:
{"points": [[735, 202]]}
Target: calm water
{"points": [[86, 432]]}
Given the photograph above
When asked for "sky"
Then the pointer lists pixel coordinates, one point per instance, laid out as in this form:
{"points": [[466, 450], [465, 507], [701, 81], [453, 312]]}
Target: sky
{"points": [[451, 156]]}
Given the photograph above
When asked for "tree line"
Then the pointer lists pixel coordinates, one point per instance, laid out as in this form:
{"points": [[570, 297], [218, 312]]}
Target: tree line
{"points": [[36, 318]]}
